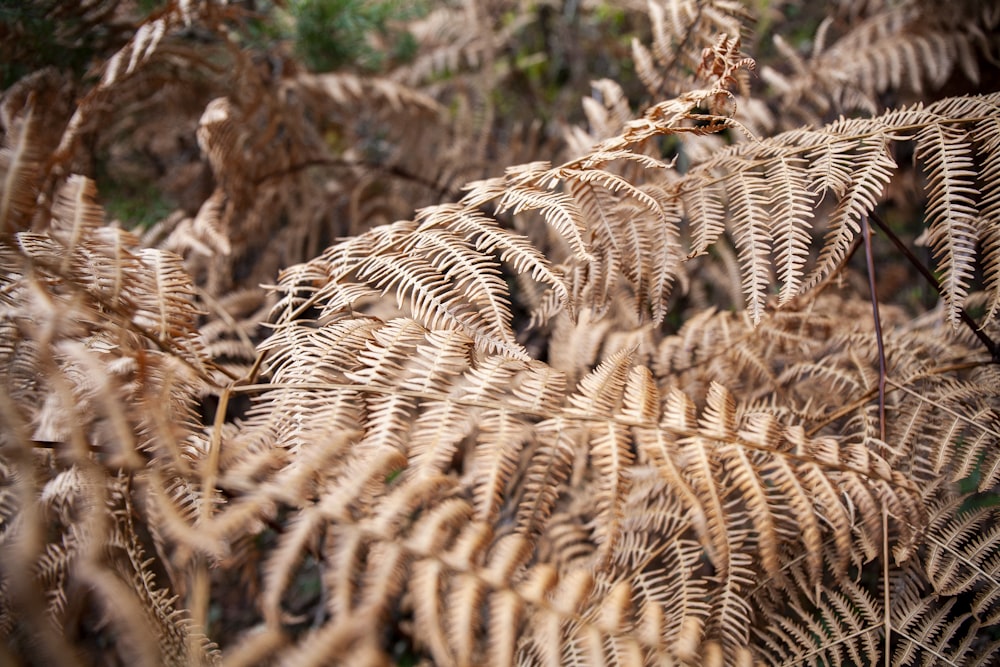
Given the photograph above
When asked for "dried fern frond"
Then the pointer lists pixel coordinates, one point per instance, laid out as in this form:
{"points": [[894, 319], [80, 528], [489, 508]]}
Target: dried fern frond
{"points": [[518, 428], [123, 66], [849, 625], [770, 193], [961, 552], [434, 416], [94, 548], [20, 162], [108, 365], [898, 46], [682, 32]]}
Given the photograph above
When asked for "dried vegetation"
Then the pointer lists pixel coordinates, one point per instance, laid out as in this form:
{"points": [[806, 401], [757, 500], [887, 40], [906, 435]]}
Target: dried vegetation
{"points": [[410, 371]]}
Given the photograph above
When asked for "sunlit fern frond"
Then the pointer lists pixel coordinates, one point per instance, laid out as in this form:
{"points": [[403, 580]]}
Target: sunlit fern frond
{"points": [[414, 418]]}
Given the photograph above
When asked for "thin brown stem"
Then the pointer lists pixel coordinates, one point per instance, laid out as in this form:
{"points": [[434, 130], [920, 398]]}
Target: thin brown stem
{"points": [[987, 342], [886, 616], [443, 192], [866, 236]]}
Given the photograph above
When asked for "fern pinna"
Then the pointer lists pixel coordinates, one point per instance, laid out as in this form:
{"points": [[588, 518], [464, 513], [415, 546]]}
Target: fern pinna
{"points": [[503, 432]]}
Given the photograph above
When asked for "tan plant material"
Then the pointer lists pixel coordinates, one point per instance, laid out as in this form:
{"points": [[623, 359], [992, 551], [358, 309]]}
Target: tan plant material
{"points": [[512, 423]]}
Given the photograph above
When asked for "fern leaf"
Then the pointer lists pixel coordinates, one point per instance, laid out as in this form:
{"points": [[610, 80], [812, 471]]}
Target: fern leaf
{"points": [[439, 359], [702, 469], [841, 626], [489, 237], [436, 436], [434, 300], [741, 467], [601, 391], [988, 136], [731, 611], [663, 450], [386, 357], [527, 191], [442, 424], [989, 237], [791, 210], [502, 437], [21, 160], [704, 210], [664, 255], [476, 275], [750, 228], [962, 553], [428, 613], [928, 629], [548, 466], [75, 214], [872, 167], [951, 212], [612, 458], [166, 309]]}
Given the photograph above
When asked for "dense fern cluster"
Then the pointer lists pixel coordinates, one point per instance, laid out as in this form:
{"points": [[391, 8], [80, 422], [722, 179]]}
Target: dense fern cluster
{"points": [[368, 397]]}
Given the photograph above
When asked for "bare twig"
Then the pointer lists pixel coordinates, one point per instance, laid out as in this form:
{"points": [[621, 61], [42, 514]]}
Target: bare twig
{"points": [[866, 236], [990, 345]]}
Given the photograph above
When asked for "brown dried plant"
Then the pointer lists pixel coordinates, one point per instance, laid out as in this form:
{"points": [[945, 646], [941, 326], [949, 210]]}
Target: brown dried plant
{"points": [[506, 430]]}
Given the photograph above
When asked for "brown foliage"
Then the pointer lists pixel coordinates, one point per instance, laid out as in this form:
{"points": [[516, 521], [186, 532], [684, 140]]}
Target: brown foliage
{"points": [[521, 426]]}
